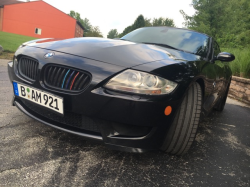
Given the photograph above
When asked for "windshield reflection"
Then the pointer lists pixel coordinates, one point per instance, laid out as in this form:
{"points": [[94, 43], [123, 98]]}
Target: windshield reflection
{"points": [[181, 39]]}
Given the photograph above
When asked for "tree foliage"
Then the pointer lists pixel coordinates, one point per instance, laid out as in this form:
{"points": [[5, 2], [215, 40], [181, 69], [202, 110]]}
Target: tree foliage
{"points": [[146, 22], [228, 21], [89, 30], [87, 25], [94, 32], [139, 22], [163, 22], [113, 34]]}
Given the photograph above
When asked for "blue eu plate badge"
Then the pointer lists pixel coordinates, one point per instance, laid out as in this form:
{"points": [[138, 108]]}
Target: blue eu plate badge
{"points": [[15, 88]]}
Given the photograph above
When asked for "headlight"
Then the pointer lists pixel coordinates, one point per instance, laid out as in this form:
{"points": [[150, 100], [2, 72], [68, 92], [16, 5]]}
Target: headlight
{"points": [[141, 83]]}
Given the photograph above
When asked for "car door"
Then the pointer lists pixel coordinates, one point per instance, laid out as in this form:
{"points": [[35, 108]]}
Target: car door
{"points": [[220, 73], [214, 76]]}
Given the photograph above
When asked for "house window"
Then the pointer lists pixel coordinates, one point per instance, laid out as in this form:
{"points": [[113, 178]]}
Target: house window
{"points": [[38, 31]]}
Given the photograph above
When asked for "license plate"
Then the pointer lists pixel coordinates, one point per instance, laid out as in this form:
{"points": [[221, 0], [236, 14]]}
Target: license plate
{"points": [[39, 97]]}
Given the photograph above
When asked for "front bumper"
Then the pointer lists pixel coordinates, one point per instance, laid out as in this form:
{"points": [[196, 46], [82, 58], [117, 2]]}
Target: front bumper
{"points": [[125, 122], [152, 139]]}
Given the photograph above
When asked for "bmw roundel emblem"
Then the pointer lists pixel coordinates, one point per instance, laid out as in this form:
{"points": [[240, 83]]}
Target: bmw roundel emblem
{"points": [[49, 55]]}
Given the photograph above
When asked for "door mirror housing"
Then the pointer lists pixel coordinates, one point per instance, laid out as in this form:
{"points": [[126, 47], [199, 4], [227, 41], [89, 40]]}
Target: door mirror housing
{"points": [[225, 57]]}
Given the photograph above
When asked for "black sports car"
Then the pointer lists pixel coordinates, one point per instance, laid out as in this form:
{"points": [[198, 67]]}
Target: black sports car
{"points": [[147, 90]]}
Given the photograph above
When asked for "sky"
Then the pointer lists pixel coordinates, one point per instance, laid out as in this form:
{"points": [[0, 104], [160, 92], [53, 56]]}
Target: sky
{"points": [[115, 14]]}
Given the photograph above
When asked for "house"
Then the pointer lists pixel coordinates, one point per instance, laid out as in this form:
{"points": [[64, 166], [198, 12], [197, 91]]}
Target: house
{"points": [[37, 19]]}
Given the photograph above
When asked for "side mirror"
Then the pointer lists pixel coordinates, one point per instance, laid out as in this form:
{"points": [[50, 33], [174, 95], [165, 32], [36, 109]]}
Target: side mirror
{"points": [[225, 57]]}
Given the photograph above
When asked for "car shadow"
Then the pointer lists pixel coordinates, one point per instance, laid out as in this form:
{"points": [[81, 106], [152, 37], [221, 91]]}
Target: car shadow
{"points": [[209, 155], [218, 154]]}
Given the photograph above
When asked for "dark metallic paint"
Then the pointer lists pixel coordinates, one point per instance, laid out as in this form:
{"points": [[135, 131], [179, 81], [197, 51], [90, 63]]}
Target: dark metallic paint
{"points": [[105, 58]]}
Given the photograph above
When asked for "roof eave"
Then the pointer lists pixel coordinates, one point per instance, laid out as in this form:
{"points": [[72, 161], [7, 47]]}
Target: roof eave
{"points": [[79, 23]]}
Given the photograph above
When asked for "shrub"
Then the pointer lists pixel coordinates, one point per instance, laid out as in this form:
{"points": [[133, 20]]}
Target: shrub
{"points": [[241, 65]]}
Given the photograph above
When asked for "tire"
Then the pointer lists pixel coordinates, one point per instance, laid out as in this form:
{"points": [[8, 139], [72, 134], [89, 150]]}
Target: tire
{"points": [[184, 127], [222, 101]]}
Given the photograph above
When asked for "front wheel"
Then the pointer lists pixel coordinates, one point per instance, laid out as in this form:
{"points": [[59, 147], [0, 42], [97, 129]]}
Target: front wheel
{"points": [[183, 130]]}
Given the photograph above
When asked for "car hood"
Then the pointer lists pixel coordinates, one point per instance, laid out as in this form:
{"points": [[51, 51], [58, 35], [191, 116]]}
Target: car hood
{"points": [[117, 52]]}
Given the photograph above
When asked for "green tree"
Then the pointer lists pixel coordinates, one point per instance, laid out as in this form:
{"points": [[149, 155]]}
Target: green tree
{"points": [[146, 22], [208, 18], [169, 22], [163, 22], [138, 23], [113, 34], [94, 32], [236, 32], [228, 21], [77, 16], [89, 30], [87, 25], [72, 14], [158, 21]]}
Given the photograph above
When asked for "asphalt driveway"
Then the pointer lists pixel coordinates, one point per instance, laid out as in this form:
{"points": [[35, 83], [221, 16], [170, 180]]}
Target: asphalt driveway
{"points": [[33, 154]]}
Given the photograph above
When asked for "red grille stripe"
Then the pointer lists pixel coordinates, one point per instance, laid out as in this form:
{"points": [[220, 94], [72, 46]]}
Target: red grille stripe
{"points": [[74, 80]]}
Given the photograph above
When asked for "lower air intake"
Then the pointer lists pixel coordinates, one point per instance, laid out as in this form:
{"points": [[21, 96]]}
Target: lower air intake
{"points": [[69, 118]]}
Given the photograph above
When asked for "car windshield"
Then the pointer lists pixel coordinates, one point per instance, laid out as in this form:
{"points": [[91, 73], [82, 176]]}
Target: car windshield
{"points": [[181, 39]]}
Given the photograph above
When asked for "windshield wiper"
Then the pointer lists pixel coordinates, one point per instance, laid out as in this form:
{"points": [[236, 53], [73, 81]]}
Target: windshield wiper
{"points": [[168, 46], [163, 45], [123, 39]]}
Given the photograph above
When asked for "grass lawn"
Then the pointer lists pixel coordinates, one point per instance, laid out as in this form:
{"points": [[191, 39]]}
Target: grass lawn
{"points": [[241, 65], [7, 55], [11, 42]]}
